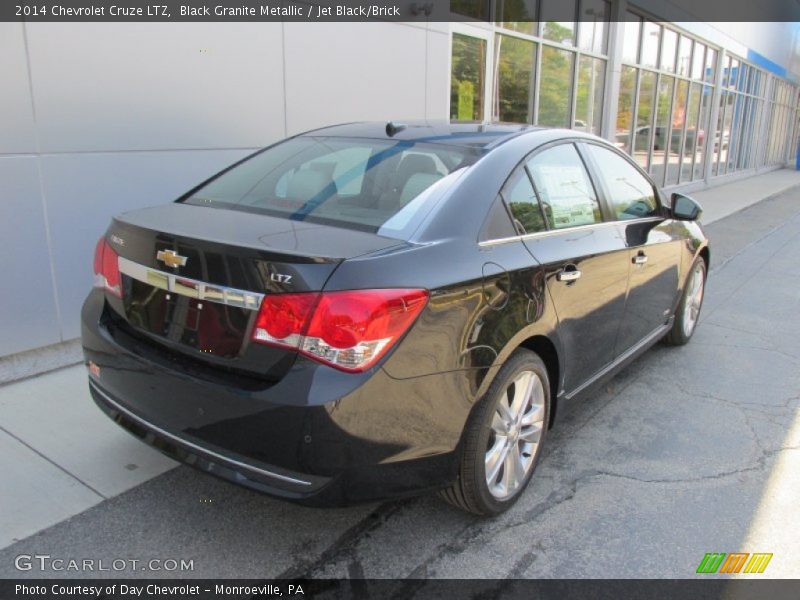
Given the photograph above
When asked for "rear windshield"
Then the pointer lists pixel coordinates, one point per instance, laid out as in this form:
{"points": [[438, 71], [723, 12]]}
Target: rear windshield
{"points": [[380, 186]]}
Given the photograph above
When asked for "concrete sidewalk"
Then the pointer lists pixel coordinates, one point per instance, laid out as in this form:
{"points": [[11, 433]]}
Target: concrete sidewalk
{"points": [[720, 201], [59, 455]]}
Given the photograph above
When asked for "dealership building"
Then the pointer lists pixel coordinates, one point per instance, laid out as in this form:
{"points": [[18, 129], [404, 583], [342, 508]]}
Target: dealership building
{"points": [[100, 118]]}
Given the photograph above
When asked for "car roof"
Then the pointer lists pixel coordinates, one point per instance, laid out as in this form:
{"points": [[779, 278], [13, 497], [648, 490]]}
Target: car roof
{"points": [[475, 135]]}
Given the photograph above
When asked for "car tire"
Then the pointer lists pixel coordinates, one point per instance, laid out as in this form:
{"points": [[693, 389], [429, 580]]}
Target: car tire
{"points": [[501, 430], [688, 312]]}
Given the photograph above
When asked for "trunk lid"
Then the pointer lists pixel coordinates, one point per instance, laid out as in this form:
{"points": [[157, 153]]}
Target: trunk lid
{"points": [[193, 278]]}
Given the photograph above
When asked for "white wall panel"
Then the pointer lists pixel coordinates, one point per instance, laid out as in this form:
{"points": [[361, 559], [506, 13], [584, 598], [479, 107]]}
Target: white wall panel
{"points": [[84, 191], [145, 86], [27, 305], [339, 72], [17, 133]]}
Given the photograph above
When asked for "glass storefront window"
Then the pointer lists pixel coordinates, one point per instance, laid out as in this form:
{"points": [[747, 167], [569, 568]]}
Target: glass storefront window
{"points": [[642, 139], [698, 60], [733, 73], [631, 33], [695, 135], [651, 36], [669, 46], [743, 76], [711, 65], [758, 82], [513, 100], [593, 26], [627, 90], [736, 109], [705, 148], [519, 15], [722, 141], [479, 10], [661, 130], [555, 87], [467, 78], [589, 94], [684, 56], [675, 148], [562, 32]]}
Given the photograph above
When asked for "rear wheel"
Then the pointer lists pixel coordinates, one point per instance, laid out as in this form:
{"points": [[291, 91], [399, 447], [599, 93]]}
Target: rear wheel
{"points": [[688, 312], [503, 438]]}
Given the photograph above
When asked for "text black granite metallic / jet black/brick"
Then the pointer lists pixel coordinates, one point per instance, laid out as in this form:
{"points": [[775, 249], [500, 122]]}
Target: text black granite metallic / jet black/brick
{"points": [[378, 310]]}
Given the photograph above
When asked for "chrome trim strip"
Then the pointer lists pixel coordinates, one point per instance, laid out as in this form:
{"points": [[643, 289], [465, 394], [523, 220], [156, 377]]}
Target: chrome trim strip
{"points": [[180, 440], [549, 232], [191, 288]]}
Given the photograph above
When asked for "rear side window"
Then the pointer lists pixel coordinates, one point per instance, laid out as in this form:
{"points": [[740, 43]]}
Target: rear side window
{"points": [[522, 203], [630, 193], [381, 186], [565, 190]]}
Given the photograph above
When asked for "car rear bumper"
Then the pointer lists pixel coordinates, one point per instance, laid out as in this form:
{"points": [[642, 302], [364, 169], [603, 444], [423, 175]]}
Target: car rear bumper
{"points": [[317, 436], [279, 483]]}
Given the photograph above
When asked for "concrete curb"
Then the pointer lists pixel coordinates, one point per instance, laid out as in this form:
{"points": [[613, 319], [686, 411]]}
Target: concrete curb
{"points": [[23, 365]]}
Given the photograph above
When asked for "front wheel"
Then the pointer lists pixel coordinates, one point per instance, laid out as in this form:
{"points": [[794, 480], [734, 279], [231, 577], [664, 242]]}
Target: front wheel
{"points": [[688, 312], [503, 438]]}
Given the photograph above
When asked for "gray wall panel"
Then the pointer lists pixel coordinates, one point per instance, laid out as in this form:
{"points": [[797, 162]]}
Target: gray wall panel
{"points": [[376, 71], [437, 86], [84, 191], [27, 305], [146, 86], [16, 107]]}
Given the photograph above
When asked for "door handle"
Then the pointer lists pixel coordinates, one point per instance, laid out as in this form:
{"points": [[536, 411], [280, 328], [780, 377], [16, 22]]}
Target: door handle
{"points": [[640, 259], [571, 275]]}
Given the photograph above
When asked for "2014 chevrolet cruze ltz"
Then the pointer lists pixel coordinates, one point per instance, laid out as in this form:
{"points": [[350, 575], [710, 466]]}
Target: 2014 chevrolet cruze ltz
{"points": [[376, 310]]}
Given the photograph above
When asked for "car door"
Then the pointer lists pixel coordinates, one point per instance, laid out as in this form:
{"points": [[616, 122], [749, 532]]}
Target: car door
{"points": [[584, 258], [653, 247]]}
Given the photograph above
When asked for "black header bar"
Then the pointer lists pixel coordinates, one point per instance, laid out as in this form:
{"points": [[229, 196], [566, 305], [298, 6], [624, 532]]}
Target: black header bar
{"points": [[379, 10], [711, 588]]}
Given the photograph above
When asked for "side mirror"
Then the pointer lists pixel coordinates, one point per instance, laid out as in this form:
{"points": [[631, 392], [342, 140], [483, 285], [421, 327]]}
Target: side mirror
{"points": [[685, 208]]}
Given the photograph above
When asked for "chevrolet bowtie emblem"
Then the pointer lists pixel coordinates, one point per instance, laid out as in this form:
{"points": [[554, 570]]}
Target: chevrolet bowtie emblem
{"points": [[171, 258]]}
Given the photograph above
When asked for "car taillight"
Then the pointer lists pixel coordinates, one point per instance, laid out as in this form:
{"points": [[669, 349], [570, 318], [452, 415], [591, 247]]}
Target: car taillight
{"points": [[349, 330], [106, 268]]}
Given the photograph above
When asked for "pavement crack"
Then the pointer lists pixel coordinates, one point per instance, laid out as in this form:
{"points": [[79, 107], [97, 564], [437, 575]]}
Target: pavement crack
{"points": [[739, 404], [344, 546], [788, 355]]}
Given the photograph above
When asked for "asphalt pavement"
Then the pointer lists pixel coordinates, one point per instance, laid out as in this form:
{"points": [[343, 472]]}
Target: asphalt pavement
{"points": [[689, 450]]}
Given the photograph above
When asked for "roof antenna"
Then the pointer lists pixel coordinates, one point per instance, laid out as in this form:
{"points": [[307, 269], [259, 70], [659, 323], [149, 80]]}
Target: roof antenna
{"points": [[393, 128]]}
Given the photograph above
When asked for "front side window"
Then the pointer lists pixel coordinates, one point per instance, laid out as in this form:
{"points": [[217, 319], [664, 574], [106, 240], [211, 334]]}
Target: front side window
{"points": [[564, 188], [380, 186], [630, 193]]}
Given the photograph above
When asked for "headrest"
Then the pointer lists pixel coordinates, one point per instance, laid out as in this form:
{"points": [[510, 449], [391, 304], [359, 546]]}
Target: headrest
{"points": [[411, 164], [416, 184], [305, 184]]}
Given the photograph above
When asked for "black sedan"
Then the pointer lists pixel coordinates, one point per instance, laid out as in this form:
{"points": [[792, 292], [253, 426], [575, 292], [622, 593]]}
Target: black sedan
{"points": [[378, 310]]}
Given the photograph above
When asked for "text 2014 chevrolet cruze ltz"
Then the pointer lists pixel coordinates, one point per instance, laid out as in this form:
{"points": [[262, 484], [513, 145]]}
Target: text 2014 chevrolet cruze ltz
{"points": [[378, 310]]}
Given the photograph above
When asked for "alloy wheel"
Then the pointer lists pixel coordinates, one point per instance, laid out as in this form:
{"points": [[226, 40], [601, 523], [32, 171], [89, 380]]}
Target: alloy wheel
{"points": [[516, 431], [694, 299]]}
